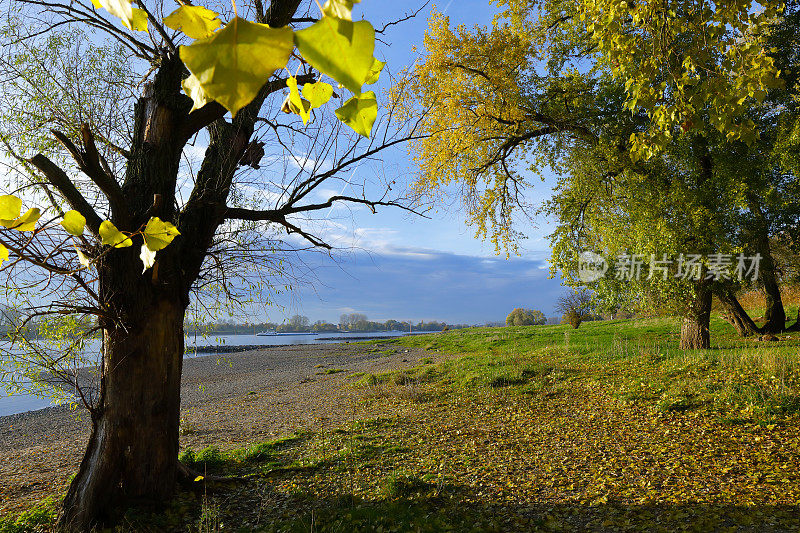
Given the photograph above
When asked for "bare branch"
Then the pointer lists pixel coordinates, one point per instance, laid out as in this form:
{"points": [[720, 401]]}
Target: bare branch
{"points": [[89, 163], [408, 16], [74, 198]]}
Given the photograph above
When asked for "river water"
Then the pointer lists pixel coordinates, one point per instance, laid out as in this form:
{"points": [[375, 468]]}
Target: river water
{"points": [[20, 403]]}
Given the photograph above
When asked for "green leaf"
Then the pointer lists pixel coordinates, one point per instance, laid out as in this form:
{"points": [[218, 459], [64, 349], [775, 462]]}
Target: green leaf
{"points": [[297, 104], [10, 207], [342, 9], [193, 89], [74, 223], [113, 237], [3, 254], [195, 21], [26, 222], [326, 46], [360, 113], [375, 71], [148, 257], [318, 93], [158, 234], [234, 63]]}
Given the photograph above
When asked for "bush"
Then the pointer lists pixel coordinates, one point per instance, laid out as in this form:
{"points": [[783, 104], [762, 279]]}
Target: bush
{"points": [[38, 518], [211, 456], [576, 306], [572, 318], [525, 317]]}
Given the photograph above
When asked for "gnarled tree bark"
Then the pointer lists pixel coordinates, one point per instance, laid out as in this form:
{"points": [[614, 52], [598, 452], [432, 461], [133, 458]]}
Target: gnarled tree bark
{"points": [[132, 452], [735, 313], [774, 313], [695, 334]]}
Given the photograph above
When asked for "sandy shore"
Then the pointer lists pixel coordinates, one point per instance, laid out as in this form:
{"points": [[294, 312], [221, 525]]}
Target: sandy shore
{"points": [[228, 401]]}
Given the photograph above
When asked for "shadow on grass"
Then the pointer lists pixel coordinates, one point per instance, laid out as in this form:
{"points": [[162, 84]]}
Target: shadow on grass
{"points": [[452, 512], [411, 504]]}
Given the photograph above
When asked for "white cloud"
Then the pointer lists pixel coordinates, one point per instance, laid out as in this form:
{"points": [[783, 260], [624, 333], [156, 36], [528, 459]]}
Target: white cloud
{"points": [[310, 164]]}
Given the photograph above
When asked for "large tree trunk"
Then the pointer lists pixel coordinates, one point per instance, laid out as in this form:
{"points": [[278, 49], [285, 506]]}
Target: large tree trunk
{"points": [[735, 313], [774, 314], [695, 334], [132, 453]]}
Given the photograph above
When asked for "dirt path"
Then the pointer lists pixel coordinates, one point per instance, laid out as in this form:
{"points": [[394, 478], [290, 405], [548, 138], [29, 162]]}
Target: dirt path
{"points": [[240, 399]]}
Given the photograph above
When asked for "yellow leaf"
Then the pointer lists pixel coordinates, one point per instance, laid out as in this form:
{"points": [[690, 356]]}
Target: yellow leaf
{"points": [[318, 93], [375, 71], [3, 254], [158, 234], [195, 21], [74, 223], [113, 237], [119, 8], [10, 207], [26, 222], [342, 9], [339, 48], [360, 113], [195, 91], [234, 63], [297, 104], [83, 258], [199, 478], [139, 22]]}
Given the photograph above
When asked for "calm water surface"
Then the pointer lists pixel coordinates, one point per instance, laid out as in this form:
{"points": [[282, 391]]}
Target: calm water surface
{"points": [[20, 403]]}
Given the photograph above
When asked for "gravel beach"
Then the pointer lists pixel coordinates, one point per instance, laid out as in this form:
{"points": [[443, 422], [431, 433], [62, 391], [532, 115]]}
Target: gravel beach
{"points": [[228, 401]]}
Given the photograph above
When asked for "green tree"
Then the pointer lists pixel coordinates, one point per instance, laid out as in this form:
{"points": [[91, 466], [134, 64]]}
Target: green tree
{"points": [[621, 124], [123, 117], [525, 317]]}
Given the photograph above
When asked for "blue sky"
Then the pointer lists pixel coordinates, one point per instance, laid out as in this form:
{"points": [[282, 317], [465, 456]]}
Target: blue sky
{"points": [[397, 265]]}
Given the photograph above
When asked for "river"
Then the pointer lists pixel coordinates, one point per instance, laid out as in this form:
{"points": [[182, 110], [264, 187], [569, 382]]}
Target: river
{"points": [[20, 403]]}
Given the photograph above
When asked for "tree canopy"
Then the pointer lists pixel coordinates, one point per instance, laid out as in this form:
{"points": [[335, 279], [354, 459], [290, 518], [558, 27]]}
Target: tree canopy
{"points": [[525, 317], [667, 125]]}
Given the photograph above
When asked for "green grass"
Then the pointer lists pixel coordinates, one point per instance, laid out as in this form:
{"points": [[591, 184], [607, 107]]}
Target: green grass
{"points": [[639, 360], [608, 427], [34, 519]]}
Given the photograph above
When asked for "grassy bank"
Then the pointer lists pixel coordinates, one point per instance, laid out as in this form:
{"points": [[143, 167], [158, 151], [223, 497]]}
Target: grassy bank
{"points": [[545, 428], [739, 380]]}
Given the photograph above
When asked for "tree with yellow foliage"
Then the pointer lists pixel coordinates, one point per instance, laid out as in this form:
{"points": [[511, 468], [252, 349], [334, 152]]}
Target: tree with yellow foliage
{"points": [[606, 93]]}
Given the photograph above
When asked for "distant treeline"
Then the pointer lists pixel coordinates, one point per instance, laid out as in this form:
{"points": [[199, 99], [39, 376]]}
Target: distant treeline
{"points": [[350, 323]]}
